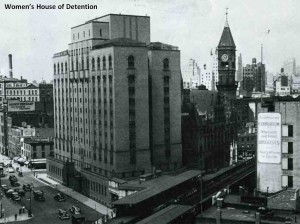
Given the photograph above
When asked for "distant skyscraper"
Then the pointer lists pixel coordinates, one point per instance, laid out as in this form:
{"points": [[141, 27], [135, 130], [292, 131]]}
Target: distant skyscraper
{"points": [[214, 67], [191, 75], [207, 77], [290, 67], [239, 73]]}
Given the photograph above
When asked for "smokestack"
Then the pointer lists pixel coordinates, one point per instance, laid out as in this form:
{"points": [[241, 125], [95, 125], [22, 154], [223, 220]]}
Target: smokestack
{"points": [[10, 66]]}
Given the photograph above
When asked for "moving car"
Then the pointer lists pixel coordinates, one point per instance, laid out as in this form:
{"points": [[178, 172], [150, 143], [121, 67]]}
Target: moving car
{"points": [[15, 196], [264, 211], [38, 195], [59, 197], [63, 214], [26, 187], [75, 210], [20, 191]]}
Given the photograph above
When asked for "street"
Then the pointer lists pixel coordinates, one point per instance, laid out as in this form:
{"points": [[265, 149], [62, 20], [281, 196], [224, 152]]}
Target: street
{"points": [[43, 211]]}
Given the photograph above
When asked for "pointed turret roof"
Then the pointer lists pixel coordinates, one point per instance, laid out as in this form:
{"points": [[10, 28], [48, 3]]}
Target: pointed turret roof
{"points": [[226, 38]]}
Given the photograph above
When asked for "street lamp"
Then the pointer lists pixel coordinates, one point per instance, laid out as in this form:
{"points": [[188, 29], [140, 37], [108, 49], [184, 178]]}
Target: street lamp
{"points": [[30, 209]]}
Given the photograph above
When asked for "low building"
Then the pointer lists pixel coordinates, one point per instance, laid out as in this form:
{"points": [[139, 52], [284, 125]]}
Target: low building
{"points": [[281, 84], [36, 149], [246, 143]]}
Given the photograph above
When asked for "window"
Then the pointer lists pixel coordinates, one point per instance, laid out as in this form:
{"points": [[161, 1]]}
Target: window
{"points": [[109, 62], [100, 32], [66, 68], [98, 63], [130, 61], [57, 68], [93, 64], [287, 163], [62, 68], [290, 130], [54, 69], [104, 63], [290, 163], [290, 147], [166, 64], [287, 181]]}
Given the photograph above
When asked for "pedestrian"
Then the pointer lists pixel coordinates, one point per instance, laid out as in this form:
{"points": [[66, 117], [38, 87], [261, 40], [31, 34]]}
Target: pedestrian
{"points": [[16, 215], [20, 211], [23, 209]]}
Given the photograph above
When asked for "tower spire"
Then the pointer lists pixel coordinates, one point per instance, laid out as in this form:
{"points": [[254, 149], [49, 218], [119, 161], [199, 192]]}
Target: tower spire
{"points": [[226, 22]]}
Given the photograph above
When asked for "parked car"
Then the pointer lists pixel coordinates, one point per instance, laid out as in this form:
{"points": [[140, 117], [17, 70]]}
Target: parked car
{"points": [[10, 170], [75, 210], [265, 212], [13, 178], [4, 187], [20, 191], [63, 214], [38, 195], [9, 192], [14, 184], [26, 187], [59, 197], [15, 196]]}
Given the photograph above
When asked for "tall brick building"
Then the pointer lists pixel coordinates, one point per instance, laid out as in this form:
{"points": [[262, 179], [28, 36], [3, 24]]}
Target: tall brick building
{"points": [[117, 100]]}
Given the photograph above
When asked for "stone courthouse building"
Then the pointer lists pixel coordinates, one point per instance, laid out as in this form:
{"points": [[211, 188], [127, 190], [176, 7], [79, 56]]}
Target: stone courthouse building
{"points": [[117, 110]]}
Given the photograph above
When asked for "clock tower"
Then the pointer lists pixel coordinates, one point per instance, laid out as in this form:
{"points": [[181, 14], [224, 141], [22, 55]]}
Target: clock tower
{"points": [[226, 65]]}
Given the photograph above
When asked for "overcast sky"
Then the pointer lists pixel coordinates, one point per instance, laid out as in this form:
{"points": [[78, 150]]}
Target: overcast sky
{"points": [[195, 26]]}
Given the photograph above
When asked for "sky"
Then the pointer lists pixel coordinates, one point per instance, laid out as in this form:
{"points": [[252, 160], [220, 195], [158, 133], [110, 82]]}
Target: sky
{"points": [[32, 36]]}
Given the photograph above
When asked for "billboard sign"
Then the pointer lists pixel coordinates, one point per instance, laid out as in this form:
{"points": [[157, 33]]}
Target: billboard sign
{"points": [[16, 106], [269, 138]]}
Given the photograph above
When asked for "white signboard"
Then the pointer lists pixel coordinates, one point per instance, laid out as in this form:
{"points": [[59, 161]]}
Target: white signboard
{"points": [[269, 138], [15, 105]]}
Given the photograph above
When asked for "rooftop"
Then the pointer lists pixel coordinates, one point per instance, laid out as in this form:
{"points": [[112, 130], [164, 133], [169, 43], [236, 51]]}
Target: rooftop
{"points": [[120, 42], [166, 215], [154, 186]]}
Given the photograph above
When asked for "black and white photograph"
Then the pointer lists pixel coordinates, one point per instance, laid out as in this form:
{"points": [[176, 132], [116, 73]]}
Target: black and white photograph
{"points": [[150, 111]]}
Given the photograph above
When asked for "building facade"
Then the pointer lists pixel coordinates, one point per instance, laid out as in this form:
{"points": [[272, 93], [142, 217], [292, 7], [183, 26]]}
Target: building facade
{"points": [[117, 105], [273, 177]]}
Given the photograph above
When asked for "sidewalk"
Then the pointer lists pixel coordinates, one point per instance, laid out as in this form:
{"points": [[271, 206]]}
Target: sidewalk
{"points": [[74, 194], [11, 218]]}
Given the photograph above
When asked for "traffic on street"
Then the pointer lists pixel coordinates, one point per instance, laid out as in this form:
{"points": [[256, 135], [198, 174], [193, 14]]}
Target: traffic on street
{"points": [[26, 194]]}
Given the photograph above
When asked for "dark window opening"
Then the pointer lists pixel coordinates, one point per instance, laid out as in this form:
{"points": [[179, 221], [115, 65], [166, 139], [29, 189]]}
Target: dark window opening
{"points": [[130, 61], [166, 64]]}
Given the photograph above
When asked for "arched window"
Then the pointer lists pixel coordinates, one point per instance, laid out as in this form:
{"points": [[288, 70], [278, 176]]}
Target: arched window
{"points": [[93, 64], [109, 62], [54, 69], [166, 64], [76, 64], [66, 68], [72, 64], [87, 63], [62, 68], [130, 61], [98, 63], [104, 63], [82, 63], [57, 68]]}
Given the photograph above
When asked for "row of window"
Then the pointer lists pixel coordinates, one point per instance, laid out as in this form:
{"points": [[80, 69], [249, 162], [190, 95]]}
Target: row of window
{"points": [[130, 60], [96, 187], [22, 92], [83, 34]]}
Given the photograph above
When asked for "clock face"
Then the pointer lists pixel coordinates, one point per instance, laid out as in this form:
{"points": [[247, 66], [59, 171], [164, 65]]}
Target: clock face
{"points": [[224, 57]]}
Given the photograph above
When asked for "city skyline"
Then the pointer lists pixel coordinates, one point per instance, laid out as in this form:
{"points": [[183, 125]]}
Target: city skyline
{"points": [[193, 26]]}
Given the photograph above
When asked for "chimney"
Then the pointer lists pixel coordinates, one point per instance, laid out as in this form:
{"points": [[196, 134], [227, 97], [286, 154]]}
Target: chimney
{"points": [[10, 66]]}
